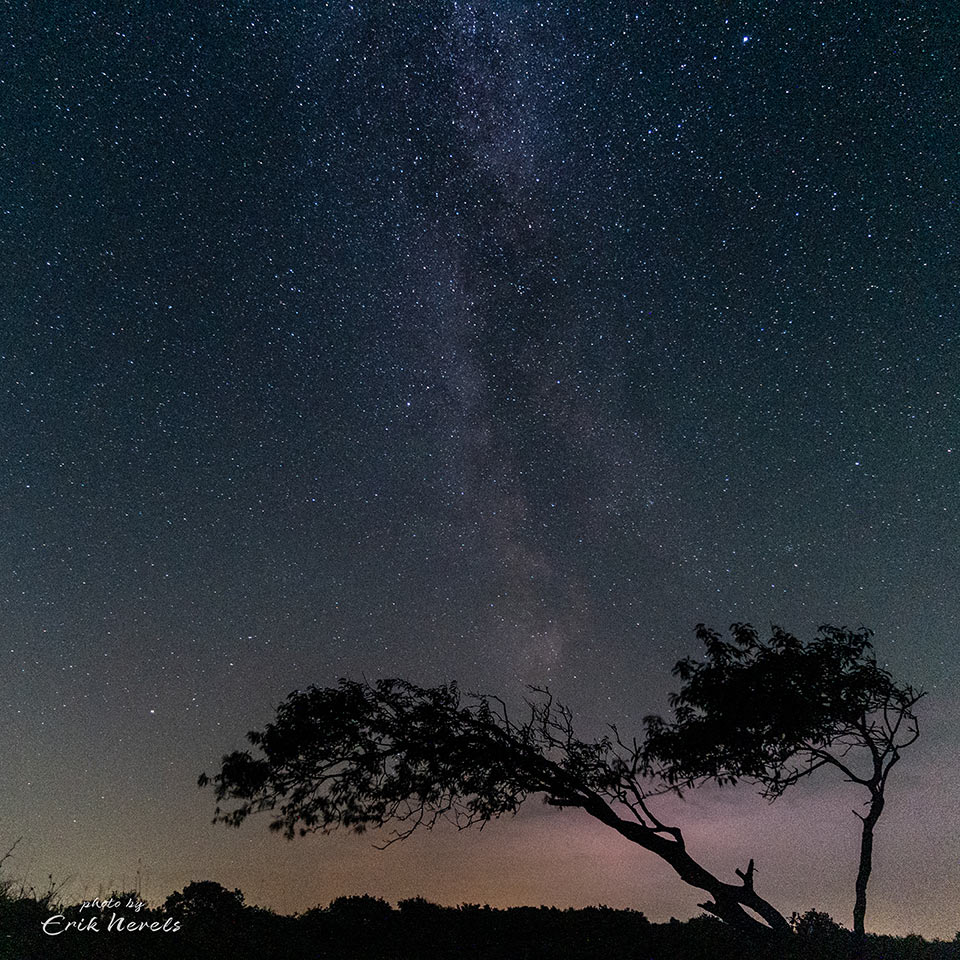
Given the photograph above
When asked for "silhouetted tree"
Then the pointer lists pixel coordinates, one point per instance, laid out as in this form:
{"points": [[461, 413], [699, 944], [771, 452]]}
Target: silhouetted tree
{"points": [[205, 900], [359, 910], [363, 755], [774, 711]]}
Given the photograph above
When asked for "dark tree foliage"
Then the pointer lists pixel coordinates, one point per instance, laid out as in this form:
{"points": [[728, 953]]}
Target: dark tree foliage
{"points": [[393, 754], [365, 928], [774, 711], [203, 899], [359, 755]]}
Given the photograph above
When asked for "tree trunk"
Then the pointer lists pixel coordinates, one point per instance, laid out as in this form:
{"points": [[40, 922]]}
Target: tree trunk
{"points": [[731, 901], [863, 872]]}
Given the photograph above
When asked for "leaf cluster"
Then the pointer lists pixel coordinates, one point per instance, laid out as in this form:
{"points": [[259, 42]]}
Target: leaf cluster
{"points": [[774, 710], [363, 755]]}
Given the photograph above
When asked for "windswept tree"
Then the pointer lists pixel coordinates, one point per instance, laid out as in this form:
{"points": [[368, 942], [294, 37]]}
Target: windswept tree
{"points": [[774, 711], [395, 755]]}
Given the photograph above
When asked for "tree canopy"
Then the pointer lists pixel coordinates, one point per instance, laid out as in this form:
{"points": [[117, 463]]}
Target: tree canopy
{"points": [[371, 754], [774, 711]]}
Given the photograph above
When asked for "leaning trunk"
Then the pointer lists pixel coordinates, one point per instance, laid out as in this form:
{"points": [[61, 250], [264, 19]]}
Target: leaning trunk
{"points": [[863, 872], [733, 903], [737, 904]]}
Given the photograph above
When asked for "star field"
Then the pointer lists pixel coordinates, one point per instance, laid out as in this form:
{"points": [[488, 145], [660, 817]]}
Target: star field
{"points": [[497, 342]]}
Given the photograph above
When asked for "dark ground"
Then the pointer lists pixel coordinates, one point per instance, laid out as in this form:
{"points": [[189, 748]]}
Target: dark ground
{"points": [[214, 922]]}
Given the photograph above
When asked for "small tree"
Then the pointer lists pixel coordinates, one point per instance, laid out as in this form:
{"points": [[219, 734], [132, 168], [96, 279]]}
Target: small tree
{"points": [[774, 711], [363, 755]]}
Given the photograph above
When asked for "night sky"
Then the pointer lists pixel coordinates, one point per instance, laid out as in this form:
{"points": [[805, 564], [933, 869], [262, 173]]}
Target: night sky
{"points": [[498, 342]]}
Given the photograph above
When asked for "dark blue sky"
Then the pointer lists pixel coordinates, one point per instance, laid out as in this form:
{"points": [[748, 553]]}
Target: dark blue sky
{"points": [[491, 341]]}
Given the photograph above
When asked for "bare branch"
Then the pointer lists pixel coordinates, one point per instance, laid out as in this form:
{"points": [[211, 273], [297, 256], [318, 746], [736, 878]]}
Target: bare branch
{"points": [[9, 852]]}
